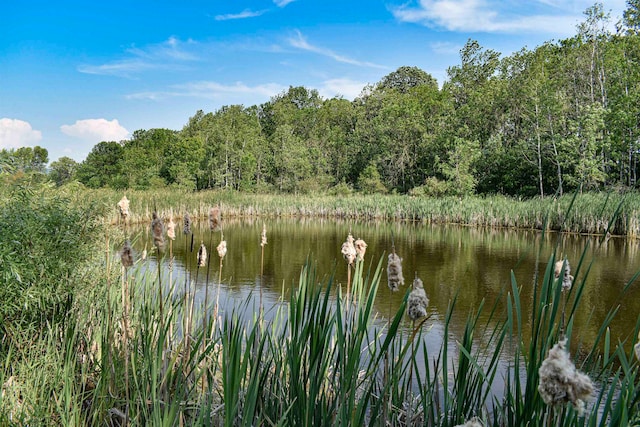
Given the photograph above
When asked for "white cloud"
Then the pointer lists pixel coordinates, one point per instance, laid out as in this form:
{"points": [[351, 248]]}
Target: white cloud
{"points": [[238, 93], [242, 15], [170, 54], [492, 16], [282, 3], [16, 133], [300, 42], [347, 88], [96, 130]]}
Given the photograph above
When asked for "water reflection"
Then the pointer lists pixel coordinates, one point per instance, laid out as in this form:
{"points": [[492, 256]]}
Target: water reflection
{"points": [[470, 264]]}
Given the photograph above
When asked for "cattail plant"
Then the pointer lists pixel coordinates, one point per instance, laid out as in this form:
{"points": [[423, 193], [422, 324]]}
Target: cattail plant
{"points": [[567, 278], [222, 251], [561, 382], [123, 207], [214, 219], [349, 253], [186, 230], [394, 272], [263, 242], [418, 302], [361, 249], [202, 255], [157, 228], [126, 257], [473, 422]]}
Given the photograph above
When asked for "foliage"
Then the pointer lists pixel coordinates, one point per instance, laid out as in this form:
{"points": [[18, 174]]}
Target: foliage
{"points": [[44, 245]]}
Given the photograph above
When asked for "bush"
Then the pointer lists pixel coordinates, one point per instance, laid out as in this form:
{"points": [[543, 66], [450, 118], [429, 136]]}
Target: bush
{"points": [[44, 243]]}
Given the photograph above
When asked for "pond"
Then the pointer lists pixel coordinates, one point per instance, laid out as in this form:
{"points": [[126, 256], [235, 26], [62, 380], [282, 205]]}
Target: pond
{"points": [[469, 264]]}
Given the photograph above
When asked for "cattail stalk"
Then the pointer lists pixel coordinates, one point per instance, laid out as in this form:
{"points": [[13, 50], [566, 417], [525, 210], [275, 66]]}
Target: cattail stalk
{"points": [[186, 230], [157, 228], [126, 257], [263, 242], [222, 251]]}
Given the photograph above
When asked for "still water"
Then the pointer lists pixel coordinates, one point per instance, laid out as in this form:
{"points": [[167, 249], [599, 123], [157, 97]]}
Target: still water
{"points": [[470, 264]]}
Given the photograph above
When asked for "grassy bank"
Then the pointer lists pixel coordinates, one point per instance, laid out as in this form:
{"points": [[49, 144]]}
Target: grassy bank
{"points": [[590, 213], [122, 352]]}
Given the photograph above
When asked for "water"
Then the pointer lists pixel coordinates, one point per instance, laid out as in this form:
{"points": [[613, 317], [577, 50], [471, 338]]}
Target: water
{"points": [[469, 264]]}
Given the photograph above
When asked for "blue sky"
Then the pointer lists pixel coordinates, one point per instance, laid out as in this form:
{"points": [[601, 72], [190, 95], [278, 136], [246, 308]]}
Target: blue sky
{"points": [[74, 73]]}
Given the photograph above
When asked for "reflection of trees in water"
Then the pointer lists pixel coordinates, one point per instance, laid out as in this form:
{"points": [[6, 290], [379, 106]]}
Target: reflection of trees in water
{"points": [[469, 264]]}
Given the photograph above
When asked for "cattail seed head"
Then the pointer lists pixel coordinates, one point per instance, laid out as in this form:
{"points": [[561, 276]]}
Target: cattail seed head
{"points": [[561, 382], [186, 229], [394, 272], [263, 236], [123, 206], [126, 255], [171, 229], [222, 248], [418, 302], [349, 250], [202, 255], [567, 278], [473, 422], [636, 349], [157, 227], [361, 248], [214, 219]]}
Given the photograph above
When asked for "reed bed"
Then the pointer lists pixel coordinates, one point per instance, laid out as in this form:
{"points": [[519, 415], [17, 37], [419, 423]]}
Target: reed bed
{"points": [[591, 212], [323, 357]]}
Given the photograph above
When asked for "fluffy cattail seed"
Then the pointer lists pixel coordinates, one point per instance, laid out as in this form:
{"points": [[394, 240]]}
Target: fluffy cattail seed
{"points": [[126, 255], [418, 302], [567, 278], [123, 206], [394, 272], [561, 382], [222, 249], [171, 229], [158, 231], [473, 422], [186, 229], [361, 248], [349, 250], [202, 255], [263, 236], [214, 219]]}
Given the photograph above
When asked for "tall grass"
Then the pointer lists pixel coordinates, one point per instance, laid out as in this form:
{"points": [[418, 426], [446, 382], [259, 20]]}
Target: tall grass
{"points": [[552, 214]]}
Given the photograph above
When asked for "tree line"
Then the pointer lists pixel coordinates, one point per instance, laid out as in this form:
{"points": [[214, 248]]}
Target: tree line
{"points": [[564, 116]]}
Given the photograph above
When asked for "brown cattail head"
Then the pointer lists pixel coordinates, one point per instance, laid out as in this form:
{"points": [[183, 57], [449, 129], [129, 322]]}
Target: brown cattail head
{"points": [[202, 255], [263, 236], [123, 206], [126, 255], [214, 219], [349, 250], [222, 248], [171, 229], [561, 382], [186, 229], [636, 348], [394, 272], [361, 248], [567, 278], [157, 227], [418, 302]]}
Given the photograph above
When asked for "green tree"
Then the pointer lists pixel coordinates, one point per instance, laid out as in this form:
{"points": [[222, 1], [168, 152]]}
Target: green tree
{"points": [[370, 181], [63, 170], [103, 166], [406, 78], [459, 167]]}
